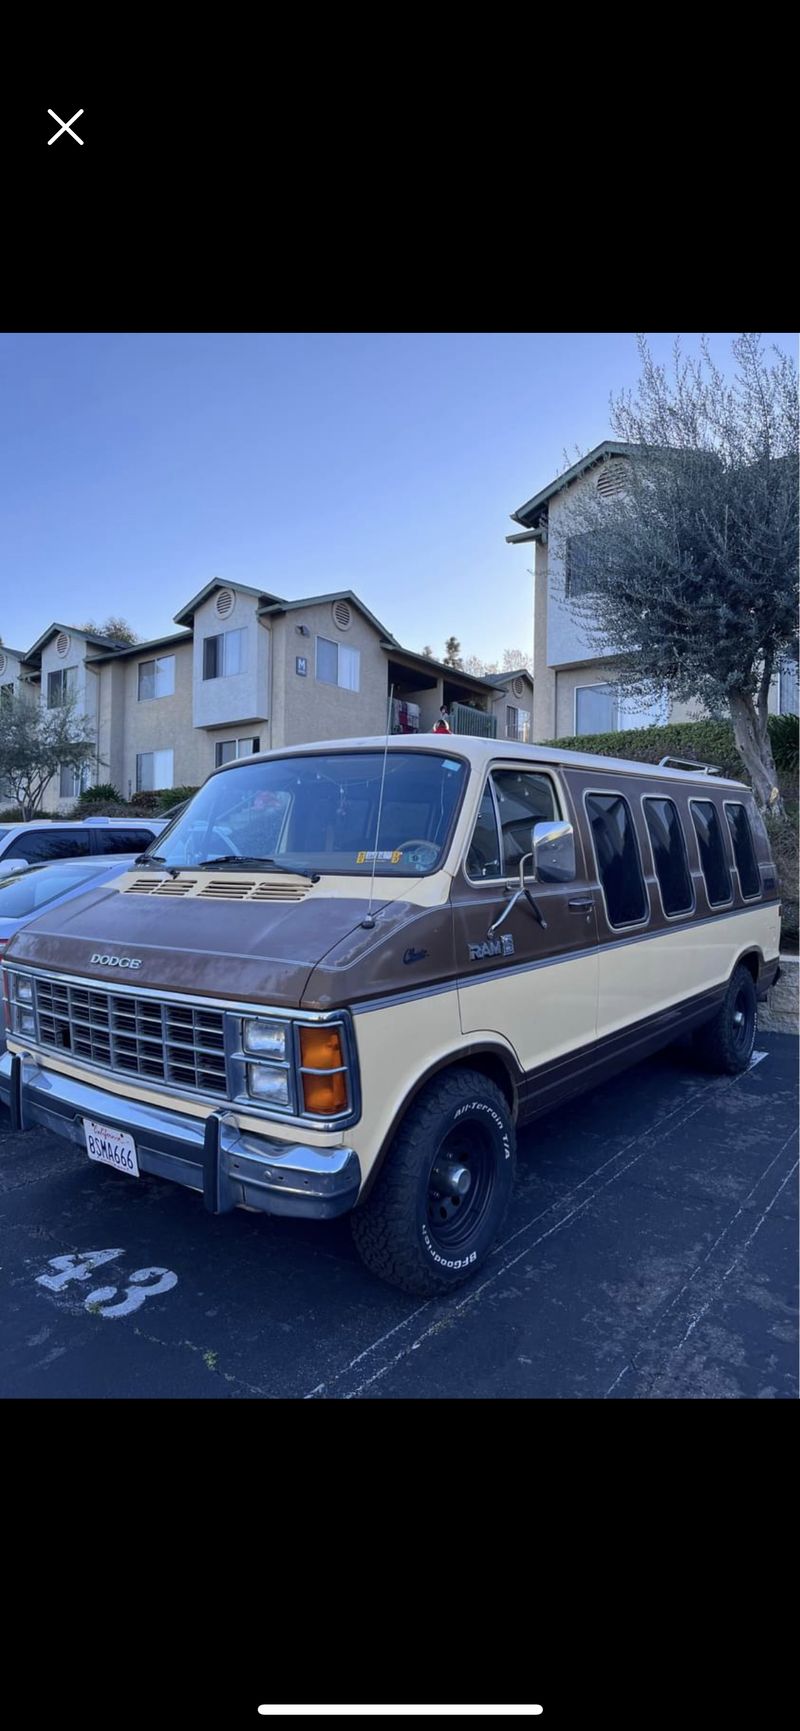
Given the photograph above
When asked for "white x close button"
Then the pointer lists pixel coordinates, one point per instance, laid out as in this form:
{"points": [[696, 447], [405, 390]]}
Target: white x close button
{"points": [[65, 126]]}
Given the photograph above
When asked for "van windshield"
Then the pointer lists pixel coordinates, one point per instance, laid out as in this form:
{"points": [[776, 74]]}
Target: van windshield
{"points": [[318, 813]]}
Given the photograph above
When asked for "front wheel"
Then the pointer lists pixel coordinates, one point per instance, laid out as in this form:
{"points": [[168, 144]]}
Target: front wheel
{"points": [[440, 1198], [726, 1043]]}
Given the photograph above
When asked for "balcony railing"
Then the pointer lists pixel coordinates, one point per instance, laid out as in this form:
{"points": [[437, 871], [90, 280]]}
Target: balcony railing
{"points": [[474, 721]]}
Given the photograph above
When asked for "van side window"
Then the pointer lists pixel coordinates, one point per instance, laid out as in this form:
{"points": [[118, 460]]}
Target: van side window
{"points": [[743, 850], [617, 855], [483, 859], [669, 855], [523, 799], [712, 852]]}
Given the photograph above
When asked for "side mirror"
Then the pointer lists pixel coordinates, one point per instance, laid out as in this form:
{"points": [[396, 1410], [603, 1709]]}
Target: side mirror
{"points": [[13, 865], [553, 852]]}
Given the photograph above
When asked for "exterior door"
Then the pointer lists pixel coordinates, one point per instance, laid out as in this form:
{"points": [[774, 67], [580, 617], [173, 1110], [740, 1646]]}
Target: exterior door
{"points": [[534, 985]]}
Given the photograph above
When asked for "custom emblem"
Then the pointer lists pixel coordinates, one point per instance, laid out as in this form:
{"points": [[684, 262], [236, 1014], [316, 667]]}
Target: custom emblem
{"points": [[413, 955], [493, 947], [115, 961]]}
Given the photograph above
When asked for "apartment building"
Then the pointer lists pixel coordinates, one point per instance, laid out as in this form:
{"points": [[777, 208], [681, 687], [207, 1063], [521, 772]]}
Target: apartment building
{"points": [[575, 690], [249, 671]]}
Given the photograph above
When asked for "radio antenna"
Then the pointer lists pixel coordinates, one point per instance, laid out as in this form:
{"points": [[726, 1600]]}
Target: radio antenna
{"points": [[369, 917]]}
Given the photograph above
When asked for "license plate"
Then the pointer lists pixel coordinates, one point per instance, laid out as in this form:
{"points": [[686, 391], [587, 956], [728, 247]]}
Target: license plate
{"points": [[111, 1147]]}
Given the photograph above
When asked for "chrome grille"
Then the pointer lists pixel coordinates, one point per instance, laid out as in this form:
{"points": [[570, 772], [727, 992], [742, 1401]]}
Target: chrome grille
{"points": [[182, 1044]]}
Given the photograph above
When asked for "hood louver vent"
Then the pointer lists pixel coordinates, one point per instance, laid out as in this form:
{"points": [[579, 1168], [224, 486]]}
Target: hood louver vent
{"points": [[222, 889]]}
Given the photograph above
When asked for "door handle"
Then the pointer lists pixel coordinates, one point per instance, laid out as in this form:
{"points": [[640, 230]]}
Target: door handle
{"points": [[581, 905]]}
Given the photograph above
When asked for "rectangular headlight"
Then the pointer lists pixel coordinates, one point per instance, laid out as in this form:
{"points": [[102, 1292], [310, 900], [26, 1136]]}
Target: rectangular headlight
{"points": [[266, 1039], [24, 991], [26, 1023], [267, 1084]]}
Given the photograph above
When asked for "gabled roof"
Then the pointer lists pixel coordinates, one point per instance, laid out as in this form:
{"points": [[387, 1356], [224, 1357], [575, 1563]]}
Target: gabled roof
{"points": [[72, 631], [530, 515], [517, 673], [273, 606], [6, 649], [172, 640], [186, 614]]}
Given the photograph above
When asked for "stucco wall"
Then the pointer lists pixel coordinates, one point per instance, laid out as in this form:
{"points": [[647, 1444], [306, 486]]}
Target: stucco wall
{"points": [[307, 708], [162, 723], [544, 679], [237, 697], [86, 698]]}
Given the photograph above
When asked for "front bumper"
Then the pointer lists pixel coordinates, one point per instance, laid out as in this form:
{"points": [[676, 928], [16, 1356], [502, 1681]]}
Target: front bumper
{"points": [[231, 1168]]}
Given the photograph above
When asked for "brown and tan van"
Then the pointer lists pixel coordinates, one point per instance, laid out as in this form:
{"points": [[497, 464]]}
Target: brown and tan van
{"points": [[346, 973]]}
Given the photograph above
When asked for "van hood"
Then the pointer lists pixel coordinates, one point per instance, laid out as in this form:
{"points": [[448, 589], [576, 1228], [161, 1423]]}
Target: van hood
{"points": [[214, 949]]}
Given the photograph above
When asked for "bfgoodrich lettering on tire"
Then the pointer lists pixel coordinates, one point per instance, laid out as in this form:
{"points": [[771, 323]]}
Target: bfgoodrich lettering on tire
{"points": [[439, 1201]]}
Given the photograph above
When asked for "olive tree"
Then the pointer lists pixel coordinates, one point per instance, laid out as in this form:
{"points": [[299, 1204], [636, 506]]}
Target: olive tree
{"points": [[36, 742], [689, 574]]}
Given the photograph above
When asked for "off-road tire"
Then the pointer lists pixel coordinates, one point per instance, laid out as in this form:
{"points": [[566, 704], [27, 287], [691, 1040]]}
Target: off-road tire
{"points": [[725, 1044], [392, 1229]]}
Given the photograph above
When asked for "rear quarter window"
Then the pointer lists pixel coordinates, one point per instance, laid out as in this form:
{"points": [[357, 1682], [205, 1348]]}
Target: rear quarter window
{"points": [[743, 850], [617, 855], [713, 862], [43, 844]]}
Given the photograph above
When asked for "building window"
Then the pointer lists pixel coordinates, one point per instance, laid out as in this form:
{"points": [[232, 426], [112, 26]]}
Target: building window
{"points": [[224, 654], [518, 724], [617, 855], [6, 693], [585, 557], [153, 770], [669, 855], [597, 709], [226, 750], [61, 685], [337, 664], [788, 688], [157, 678], [71, 782], [712, 852]]}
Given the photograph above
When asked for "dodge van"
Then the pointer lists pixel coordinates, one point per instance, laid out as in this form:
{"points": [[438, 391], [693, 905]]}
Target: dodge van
{"points": [[346, 973]]}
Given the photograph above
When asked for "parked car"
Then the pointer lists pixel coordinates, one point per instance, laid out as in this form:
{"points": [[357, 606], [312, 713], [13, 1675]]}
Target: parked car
{"points": [[351, 970], [24, 894], [32, 843]]}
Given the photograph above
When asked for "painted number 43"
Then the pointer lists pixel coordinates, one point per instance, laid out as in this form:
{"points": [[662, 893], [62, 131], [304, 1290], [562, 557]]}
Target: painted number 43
{"points": [[143, 1282]]}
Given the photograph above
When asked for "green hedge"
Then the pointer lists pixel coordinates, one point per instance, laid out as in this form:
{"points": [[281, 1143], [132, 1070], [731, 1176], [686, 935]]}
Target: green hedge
{"points": [[704, 741]]}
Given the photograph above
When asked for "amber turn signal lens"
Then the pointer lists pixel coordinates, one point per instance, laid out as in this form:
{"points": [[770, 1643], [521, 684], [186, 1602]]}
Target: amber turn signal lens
{"points": [[321, 1049], [325, 1095]]}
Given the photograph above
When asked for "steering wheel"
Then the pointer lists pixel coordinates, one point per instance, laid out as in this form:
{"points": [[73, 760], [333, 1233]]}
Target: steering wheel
{"points": [[417, 841]]}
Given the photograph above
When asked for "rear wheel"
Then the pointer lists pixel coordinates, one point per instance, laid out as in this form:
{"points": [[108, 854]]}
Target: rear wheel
{"points": [[439, 1200], [726, 1043]]}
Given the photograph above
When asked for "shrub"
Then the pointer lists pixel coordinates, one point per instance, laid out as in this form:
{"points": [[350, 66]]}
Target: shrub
{"points": [[144, 802], [784, 737], [97, 808], [170, 796], [12, 814], [703, 741], [103, 794]]}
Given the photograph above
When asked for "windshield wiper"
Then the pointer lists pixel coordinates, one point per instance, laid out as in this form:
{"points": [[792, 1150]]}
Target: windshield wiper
{"points": [[254, 859], [159, 860]]}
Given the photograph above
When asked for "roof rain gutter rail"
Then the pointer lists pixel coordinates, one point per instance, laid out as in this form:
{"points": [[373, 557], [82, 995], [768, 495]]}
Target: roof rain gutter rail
{"points": [[689, 765]]}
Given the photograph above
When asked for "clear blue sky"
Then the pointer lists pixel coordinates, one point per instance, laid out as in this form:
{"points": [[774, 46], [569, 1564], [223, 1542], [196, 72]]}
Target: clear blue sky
{"points": [[135, 467]]}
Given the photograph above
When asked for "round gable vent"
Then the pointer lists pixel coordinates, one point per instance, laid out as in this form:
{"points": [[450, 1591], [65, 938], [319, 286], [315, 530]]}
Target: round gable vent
{"points": [[517, 686], [224, 603], [62, 643], [342, 615], [3, 663], [611, 479]]}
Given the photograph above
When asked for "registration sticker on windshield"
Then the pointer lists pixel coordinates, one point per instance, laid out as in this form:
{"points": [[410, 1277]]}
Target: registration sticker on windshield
{"points": [[373, 858]]}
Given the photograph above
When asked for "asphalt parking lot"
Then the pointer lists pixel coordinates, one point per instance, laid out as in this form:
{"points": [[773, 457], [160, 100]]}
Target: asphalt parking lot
{"points": [[650, 1252]]}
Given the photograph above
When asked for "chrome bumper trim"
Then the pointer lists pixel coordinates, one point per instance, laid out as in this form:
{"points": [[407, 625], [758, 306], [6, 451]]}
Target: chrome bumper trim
{"points": [[230, 1167]]}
